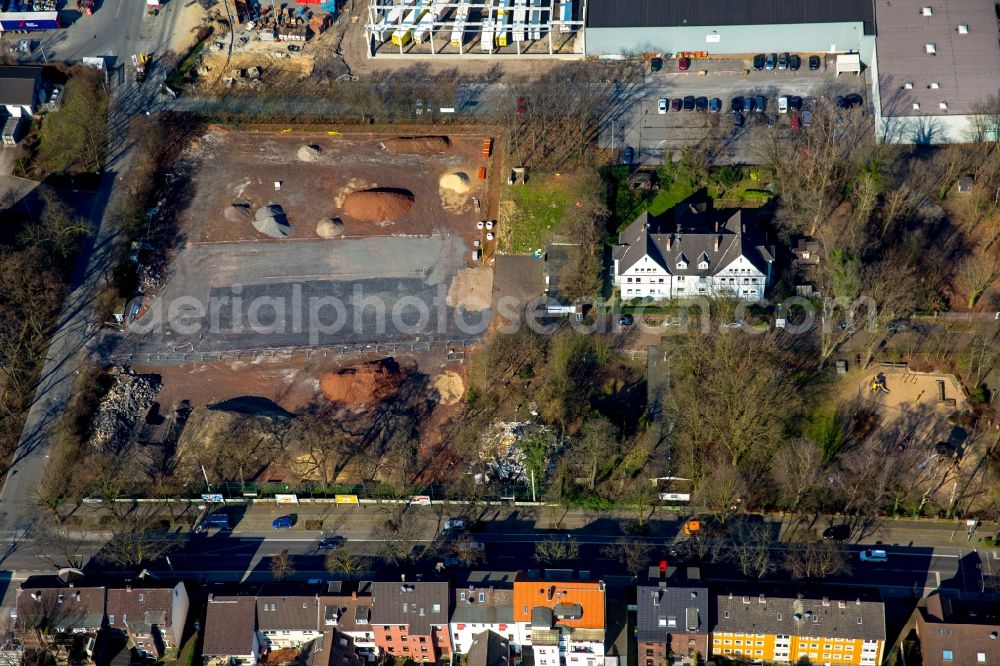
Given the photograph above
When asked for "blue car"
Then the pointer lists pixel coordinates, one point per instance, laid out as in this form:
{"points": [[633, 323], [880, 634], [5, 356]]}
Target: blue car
{"points": [[283, 523]]}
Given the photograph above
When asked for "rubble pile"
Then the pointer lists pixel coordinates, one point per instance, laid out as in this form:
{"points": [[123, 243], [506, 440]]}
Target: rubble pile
{"points": [[500, 451], [122, 408]]}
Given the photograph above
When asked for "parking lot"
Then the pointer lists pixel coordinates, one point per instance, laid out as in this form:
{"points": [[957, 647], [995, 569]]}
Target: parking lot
{"points": [[657, 136]]}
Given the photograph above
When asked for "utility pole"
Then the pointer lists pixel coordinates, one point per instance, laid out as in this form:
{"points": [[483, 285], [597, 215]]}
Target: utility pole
{"points": [[533, 486], [205, 474]]}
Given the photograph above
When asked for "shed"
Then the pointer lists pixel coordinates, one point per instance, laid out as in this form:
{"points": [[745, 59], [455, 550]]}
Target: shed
{"points": [[849, 63], [641, 180], [13, 130]]}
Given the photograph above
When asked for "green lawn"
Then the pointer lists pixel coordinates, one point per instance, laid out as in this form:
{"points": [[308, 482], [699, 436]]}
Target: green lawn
{"points": [[540, 203], [668, 197]]}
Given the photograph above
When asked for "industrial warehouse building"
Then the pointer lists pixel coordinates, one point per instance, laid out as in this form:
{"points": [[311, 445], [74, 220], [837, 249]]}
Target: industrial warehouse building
{"points": [[628, 27], [936, 64]]}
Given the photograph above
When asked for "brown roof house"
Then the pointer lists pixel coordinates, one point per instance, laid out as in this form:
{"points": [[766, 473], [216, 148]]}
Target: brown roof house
{"points": [[331, 649], [230, 630], [287, 621], [954, 632], [349, 611], [484, 600], [489, 649], [153, 617], [411, 619], [60, 610]]}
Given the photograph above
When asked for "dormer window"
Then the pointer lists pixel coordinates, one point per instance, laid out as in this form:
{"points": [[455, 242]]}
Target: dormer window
{"points": [[682, 261], [703, 265]]}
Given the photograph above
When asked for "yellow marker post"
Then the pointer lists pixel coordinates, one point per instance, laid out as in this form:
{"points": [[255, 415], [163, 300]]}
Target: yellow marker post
{"points": [[287, 130]]}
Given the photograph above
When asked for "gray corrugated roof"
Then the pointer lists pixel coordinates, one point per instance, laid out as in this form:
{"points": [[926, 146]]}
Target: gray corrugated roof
{"points": [[673, 602], [420, 605], [17, 85], [857, 616], [966, 67], [664, 13]]}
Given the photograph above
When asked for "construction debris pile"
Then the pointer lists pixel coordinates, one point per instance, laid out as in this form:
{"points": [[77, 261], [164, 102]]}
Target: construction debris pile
{"points": [[501, 453], [122, 409], [289, 24]]}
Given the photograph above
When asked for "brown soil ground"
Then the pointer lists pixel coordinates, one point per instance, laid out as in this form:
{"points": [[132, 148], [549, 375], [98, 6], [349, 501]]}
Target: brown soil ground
{"points": [[362, 384], [377, 205], [244, 167]]}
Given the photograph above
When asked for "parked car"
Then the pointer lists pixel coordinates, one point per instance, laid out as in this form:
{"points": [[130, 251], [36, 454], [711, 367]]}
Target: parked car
{"points": [[783, 61], [748, 105], [874, 555], [738, 120], [758, 62], [454, 524], [662, 105], [700, 104], [854, 99], [294, 48], [807, 117], [626, 320], [737, 104], [689, 103], [656, 64], [814, 62], [760, 104], [715, 105], [770, 61], [794, 62], [795, 103], [795, 122], [782, 104], [684, 64], [283, 523], [837, 532], [628, 155], [676, 104]]}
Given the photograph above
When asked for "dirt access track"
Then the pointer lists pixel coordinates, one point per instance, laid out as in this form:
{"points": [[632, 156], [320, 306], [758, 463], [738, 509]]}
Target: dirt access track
{"points": [[295, 239]]}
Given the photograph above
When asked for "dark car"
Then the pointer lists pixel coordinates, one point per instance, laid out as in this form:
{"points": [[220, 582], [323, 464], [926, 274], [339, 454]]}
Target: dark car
{"points": [[737, 104], [294, 48], [794, 62], [837, 532], [283, 523], [760, 104], [795, 103], [522, 106], [814, 62], [625, 320], [854, 99], [331, 543], [689, 103], [841, 102], [738, 120], [628, 155], [748, 104], [783, 61], [701, 104], [656, 64], [676, 104], [715, 105], [770, 61], [807, 117], [758, 62], [684, 64]]}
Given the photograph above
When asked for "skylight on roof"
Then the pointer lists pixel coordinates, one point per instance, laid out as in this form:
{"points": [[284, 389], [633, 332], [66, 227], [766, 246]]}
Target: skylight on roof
{"points": [[963, 29], [927, 11], [931, 48]]}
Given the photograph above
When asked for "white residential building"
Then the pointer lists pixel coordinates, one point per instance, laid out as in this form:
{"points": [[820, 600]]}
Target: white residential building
{"points": [[484, 602], [690, 256]]}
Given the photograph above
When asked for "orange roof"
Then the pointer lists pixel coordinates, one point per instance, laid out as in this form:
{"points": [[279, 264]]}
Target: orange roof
{"points": [[530, 594]]}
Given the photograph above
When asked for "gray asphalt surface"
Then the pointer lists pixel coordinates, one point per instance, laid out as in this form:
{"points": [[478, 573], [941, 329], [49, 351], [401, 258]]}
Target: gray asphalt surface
{"points": [[265, 295]]}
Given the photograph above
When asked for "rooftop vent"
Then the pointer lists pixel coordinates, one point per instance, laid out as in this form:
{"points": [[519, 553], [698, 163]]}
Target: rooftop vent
{"points": [[916, 106], [934, 85], [963, 28], [943, 106], [908, 85], [927, 11], [931, 49]]}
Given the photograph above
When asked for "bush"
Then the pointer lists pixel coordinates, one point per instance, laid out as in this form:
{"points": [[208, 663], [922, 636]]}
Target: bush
{"points": [[314, 524], [730, 175], [979, 394]]}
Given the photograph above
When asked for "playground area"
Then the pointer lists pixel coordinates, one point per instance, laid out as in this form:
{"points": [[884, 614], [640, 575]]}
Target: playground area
{"points": [[898, 391]]}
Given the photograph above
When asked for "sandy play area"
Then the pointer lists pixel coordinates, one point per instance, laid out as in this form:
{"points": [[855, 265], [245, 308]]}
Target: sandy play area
{"points": [[910, 392]]}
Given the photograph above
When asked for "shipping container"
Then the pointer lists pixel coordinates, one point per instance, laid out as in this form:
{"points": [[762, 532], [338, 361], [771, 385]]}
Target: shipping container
{"points": [[502, 18]]}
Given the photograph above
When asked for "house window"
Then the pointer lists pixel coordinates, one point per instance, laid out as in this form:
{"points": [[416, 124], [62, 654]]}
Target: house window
{"points": [[482, 597], [436, 608], [726, 612], [947, 655], [672, 621], [142, 597], [629, 280], [461, 596]]}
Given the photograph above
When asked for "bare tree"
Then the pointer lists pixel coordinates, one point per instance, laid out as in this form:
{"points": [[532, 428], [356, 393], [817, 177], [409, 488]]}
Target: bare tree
{"points": [[467, 550], [553, 551], [749, 547], [282, 566], [815, 560], [978, 273], [137, 538], [724, 492], [345, 563], [633, 555]]}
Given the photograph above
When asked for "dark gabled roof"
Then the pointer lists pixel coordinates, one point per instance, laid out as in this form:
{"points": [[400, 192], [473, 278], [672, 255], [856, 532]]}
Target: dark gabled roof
{"points": [[782, 611], [346, 612], [64, 608], [288, 613], [17, 84], [496, 607], [489, 649], [966, 629], [420, 605], [331, 649], [682, 609], [140, 608], [229, 626], [666, 13]]}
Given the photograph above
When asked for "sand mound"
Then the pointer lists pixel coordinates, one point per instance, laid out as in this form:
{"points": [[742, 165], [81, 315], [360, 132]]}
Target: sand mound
{"points": [[363, 384], [309, 153], [378, 205], [450, 388], [416, 145], [240, 213], [330, 227], [456, 182], [270, 220]]}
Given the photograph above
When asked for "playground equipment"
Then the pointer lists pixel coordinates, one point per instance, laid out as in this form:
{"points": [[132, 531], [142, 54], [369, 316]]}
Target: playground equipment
{"points": [[878, 384]]}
